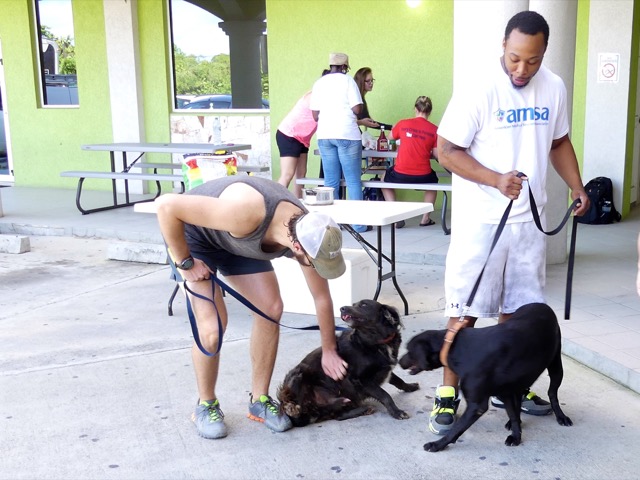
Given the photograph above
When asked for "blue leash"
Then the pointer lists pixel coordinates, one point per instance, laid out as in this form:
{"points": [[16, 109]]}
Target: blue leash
{"points": [[214, 279]]}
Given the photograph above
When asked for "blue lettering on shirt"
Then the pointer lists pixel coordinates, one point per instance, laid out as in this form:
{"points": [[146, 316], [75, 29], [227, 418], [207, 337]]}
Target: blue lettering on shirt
{"points": [[522, 116]]}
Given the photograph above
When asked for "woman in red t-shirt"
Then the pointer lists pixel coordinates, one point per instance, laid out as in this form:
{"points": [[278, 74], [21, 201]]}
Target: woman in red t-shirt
{"points": [[418, 137]]}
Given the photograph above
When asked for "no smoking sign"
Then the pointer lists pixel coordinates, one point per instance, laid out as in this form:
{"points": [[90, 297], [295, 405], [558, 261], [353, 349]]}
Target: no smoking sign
{"points": [[608, 67]]}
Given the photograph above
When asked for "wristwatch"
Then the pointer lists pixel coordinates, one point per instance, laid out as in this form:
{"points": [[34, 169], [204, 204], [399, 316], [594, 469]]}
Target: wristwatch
{"points": [[186, 264]]}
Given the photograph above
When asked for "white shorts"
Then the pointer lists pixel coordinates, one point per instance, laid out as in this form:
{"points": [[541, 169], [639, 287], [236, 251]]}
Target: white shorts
{"points": [[514, 275]]}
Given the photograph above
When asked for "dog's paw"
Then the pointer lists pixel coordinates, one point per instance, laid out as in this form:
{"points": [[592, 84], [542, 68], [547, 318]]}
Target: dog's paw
{"points": [[512, 441], [400, 415], [564, 420], [434, 446], [369, 411], [412, 387]]}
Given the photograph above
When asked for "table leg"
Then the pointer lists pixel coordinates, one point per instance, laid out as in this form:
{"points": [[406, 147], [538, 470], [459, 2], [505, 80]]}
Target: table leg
{"points": [[393, 268], [445, 201], [126, 182], [378, 259], [112, 156]]}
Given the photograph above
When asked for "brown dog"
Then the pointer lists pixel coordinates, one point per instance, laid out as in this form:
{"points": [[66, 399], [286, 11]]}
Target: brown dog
{"points": [[502, 360], [370, 348]]}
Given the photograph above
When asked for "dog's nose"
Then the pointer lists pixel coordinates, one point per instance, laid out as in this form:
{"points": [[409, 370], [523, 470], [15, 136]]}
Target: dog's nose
{"points": [[405, 361], [343, 309]]}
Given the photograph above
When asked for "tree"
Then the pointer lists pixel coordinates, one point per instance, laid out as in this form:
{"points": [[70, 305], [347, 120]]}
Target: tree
{"points": [[197, 76], [66, 51]]}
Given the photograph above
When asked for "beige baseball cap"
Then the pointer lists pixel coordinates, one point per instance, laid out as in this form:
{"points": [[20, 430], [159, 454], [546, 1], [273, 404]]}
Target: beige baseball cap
{"points": [[338, 59], [321, 238]]}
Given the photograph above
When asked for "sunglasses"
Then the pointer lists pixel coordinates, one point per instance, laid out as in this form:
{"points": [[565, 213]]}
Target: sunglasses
{"points": [[370, 81]]}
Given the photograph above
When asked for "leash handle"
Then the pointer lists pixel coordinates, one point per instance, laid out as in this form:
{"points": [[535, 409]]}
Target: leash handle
{"points": [[572, 248], [536, 216]]}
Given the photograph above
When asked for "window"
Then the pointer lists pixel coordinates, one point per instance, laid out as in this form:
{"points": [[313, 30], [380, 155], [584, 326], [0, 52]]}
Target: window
{"points": [[205, 74], [54, 24]]}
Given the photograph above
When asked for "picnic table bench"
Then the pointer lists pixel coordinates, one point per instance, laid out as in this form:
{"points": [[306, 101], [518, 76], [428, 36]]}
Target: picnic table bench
{"points": [[126, 175]]}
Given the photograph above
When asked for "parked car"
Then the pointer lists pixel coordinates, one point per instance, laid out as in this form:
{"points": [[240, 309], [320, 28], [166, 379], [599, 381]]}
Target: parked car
{"points": [[182, 100], [62, 89], [206, 102]]}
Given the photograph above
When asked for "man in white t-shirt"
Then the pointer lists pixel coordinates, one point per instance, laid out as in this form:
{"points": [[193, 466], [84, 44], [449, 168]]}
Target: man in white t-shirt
{"points": [[335, 102], [514, 120]]}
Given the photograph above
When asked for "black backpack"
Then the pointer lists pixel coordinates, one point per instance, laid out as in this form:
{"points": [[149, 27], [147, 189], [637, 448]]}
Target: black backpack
{"points": [[601, 211], [372, 193]]}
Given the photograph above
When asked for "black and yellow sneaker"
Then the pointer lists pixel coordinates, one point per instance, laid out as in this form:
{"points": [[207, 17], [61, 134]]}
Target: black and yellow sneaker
{"points": [[532, 404], [445, 407]]}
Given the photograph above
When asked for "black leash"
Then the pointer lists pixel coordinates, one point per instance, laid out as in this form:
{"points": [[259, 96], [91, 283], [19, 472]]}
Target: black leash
{"points": [[214, 279], [572, 247], [536, 219]]}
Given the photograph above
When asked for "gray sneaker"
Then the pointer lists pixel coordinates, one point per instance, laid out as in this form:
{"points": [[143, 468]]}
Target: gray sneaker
{"points": [[531, 404], [266, 410], [209, 420]]}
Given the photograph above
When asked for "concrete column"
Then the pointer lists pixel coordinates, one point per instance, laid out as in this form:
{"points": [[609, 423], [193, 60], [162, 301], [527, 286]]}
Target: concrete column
{"points": [[245, 37], [561, 15], [478, 30], [607, 115], [125, 87]]}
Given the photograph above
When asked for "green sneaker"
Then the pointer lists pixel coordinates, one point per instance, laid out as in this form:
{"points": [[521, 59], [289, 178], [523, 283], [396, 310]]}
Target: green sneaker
{"points": [[266, 410], [445, 407], [532, 404], [209, 419]]}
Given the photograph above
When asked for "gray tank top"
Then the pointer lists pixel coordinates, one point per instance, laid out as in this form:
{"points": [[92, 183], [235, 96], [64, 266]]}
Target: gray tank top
{"points": [[251, 245]]}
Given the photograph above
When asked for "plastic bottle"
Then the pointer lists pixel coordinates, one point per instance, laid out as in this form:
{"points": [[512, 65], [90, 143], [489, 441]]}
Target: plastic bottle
{"points": [[217, 134]]}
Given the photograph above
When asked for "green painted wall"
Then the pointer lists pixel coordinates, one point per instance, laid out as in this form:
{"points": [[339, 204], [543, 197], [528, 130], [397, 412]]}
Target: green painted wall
{"points": [[409, 50], [47, 140], [634, 81], [580, 80], [155, 69]]}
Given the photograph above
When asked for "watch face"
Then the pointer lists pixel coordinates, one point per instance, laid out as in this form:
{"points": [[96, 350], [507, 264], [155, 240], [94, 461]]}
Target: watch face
{"points": [[186, 264]]}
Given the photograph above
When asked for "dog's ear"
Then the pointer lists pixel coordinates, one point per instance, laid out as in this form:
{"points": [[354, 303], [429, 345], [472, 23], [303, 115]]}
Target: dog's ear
{"points": [[425, 350], [390, 314]]}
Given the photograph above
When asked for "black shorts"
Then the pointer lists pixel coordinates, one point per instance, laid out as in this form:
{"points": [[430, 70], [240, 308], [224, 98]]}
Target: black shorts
{"points": [[227, 263], [392, 176], [289, 146]]}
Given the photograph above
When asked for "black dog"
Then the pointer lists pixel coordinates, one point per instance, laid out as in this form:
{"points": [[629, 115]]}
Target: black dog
{"points": [[370, 348], [502, 360]]}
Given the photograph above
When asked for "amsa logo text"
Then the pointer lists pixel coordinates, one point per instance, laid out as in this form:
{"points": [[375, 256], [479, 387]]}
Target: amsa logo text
{"points": [[523, 115]]}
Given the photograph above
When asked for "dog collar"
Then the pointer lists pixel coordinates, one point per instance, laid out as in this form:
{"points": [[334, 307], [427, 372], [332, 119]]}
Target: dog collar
{"points": [[389, 338]]}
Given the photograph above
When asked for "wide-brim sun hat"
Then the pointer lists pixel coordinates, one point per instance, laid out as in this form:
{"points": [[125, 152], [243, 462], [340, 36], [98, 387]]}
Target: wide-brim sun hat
{"points": [[321, 238]]}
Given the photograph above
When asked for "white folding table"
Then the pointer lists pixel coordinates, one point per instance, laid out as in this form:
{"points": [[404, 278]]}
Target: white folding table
{"points": [[377, 214]]}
